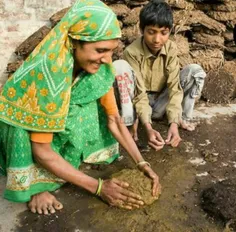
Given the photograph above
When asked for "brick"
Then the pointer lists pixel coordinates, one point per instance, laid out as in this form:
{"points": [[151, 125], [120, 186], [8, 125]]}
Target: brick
{"points": [[2, 6], [45, 4], [43, 14], [14, 16], [13, 28], [14, 6], [2, 28], [58, 5], [27, 28], [34, 3]]}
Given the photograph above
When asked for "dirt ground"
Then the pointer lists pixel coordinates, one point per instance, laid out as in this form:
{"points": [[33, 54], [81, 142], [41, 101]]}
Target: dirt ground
{"points": [[205, 156]]}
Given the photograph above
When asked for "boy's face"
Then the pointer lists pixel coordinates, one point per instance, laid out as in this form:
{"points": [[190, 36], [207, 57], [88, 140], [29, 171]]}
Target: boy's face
{"points": [[155, 37]]}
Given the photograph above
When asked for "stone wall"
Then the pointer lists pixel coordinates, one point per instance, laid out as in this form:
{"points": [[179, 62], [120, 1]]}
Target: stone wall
{"points": [[21, 18]]}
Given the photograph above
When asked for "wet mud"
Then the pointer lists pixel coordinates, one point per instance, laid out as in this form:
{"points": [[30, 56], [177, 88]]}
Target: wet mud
{"points": [[185, 172], [219, 201]]}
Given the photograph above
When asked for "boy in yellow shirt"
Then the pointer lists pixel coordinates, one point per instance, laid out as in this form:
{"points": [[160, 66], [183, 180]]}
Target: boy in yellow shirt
{"points": [[151, 69]]}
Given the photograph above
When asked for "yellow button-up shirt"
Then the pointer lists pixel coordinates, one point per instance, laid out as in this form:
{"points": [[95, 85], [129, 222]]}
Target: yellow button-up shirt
{"points": [[155, 73]]}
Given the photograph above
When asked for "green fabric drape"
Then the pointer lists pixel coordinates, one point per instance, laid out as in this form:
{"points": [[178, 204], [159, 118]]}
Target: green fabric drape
{"points": [[37, 95]]}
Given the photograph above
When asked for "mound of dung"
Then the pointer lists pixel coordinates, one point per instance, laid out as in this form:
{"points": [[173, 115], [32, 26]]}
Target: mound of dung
{"points": [[219, 87], [220, 202], [138, 183]]}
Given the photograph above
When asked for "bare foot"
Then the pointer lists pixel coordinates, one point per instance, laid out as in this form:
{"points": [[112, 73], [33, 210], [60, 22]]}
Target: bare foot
{"points": [[134, 136], [188, 125], [134, 130], [44, 203]]}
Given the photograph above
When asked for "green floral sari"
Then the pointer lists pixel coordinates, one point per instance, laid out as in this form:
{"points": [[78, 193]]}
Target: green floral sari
{"points": [[40, 97]]}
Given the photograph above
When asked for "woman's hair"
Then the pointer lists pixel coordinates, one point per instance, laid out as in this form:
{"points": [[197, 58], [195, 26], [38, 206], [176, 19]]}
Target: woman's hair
{"points": [[78, 42], [156, 13]]}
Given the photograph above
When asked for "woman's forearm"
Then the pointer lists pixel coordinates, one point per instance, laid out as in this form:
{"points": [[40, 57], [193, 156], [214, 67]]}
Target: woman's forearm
{"points": [[56, 165], [122, 135]]}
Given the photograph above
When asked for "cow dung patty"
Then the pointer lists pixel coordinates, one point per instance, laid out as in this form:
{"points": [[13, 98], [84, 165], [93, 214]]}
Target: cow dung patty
{"points": [[139, 183]]}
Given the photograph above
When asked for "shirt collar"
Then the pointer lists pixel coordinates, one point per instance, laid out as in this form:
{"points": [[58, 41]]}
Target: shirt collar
{"points": [[148, 54]]}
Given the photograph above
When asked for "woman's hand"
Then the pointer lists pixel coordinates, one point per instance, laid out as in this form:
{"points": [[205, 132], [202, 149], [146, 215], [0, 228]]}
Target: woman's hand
{"points": [[115, 193], [156, 188]]}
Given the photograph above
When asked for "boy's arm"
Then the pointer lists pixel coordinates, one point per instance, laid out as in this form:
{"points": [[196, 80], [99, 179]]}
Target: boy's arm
{"points": [[142, 107], [174, 108]]}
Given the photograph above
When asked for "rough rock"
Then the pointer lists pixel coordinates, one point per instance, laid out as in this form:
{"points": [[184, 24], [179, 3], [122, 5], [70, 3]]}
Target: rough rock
{"points": [[226, 7], [189, 17], [121, 10], [136, 3], [12, 67], [231, 24], [228, 36], [214, 41], [185, 60], [223, 17], [209, 59], [231, 49], [182, 44], [180, 4], [108, 2], [212, 1], [130, 33], [58, 16], [230, 67], [133, 17]]}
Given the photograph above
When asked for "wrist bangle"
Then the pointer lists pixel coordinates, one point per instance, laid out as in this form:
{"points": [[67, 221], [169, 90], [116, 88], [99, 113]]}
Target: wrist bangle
{"points": [[98, 192], [141, 163]]}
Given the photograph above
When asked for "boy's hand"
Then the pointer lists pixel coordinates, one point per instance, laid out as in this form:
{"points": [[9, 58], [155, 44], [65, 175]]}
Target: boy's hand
{"points": [[154, 138], [173, 137]]}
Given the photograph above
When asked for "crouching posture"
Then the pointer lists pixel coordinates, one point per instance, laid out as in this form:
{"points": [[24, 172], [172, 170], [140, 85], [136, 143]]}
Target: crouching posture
{"points": [[150, 79], [58, 110]]}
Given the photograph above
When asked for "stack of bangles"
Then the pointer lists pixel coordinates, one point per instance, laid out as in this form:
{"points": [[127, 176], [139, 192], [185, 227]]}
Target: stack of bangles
{"points": [[100, 182], [141, 163]]}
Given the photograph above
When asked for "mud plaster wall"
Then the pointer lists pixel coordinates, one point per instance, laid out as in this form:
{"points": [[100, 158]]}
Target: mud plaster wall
{"points": [[21, 18]]}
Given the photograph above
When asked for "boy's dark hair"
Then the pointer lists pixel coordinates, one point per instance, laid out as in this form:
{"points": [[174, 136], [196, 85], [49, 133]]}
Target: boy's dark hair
{"points": [[156, 13]]}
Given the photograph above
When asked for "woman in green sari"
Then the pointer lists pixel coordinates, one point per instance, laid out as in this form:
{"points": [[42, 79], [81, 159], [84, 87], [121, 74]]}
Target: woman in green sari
{"points": [[58, 110]]}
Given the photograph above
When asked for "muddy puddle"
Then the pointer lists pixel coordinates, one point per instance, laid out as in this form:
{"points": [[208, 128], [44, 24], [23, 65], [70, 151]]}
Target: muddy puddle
{"points": [[184, 173]]}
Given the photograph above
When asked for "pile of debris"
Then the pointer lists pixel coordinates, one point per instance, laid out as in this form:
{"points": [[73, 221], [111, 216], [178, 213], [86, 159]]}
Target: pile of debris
{"points": [[209, 27], [203, 31]]}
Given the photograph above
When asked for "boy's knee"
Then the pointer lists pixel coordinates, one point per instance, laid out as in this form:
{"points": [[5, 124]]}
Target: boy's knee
{"points": [[192, 74], [196, 70]]}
